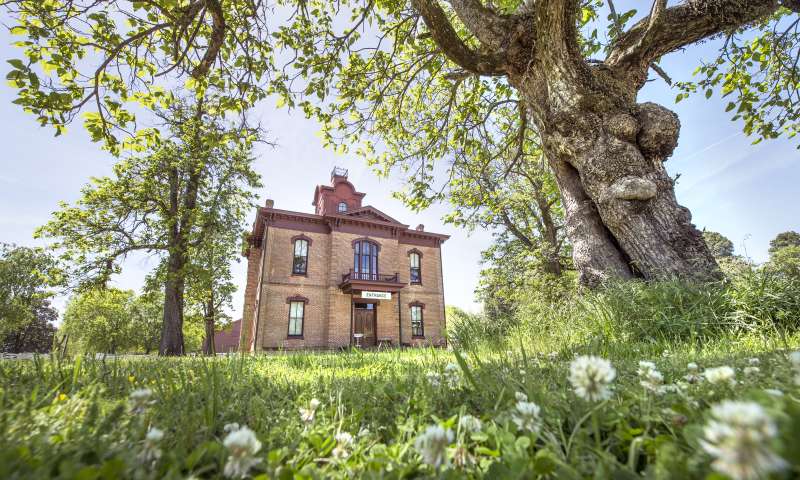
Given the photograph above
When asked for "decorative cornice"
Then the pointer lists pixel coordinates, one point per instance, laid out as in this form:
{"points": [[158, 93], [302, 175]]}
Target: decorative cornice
{"points": [[302, 236], [296, 298], [325, 224]]}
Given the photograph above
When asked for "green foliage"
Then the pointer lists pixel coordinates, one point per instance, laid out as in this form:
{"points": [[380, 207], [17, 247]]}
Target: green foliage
{"points": [[137, 208], [113, 321], [784, 239], [37, 336], [752, 300], [99, 321], [756, 70], [719, 244], [27, 277], [75, 419], [110, 60]]}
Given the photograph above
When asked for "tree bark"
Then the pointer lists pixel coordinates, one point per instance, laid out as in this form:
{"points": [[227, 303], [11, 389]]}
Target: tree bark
{"points": [[172, 326], [607, 153], [607, 150], [208, 346]]}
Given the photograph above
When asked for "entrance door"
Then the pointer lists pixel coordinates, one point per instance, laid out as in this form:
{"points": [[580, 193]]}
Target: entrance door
{"points": [[364, 325]]}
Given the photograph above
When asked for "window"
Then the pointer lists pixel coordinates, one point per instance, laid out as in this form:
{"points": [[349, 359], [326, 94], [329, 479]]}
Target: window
{"points": [[296, 312], [365, 260], [416, 269], [342, 207], [417, 328], [300, 262]]}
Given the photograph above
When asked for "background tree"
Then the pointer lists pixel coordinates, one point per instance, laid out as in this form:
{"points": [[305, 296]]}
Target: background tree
{"points": [[437, 77], [37, 336], [147, 314], [784, 254], [100, 321], [783, 240], [719, 245], [162, 203], [27, 278]]}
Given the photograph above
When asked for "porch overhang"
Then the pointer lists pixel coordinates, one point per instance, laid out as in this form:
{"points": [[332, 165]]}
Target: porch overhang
{"points": [[353, 282]]}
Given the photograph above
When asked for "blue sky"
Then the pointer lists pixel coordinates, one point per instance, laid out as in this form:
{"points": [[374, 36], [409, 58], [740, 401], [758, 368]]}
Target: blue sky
{"points": [[746, 192]]}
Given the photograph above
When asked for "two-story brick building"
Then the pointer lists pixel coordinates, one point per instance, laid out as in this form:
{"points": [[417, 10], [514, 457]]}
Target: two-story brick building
{"points": [[346, 275]]}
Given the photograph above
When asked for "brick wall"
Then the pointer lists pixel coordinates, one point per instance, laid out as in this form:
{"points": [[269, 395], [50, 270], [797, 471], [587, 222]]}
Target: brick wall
{"points": [[328, 311]]}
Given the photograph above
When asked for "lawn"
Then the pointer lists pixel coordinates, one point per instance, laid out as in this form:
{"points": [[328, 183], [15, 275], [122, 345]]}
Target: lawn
{"points": [[506, 411]]}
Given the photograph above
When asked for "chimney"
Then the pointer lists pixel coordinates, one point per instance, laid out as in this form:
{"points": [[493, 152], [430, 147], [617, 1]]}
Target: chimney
{"points": [[420, 228], [270, 203], [338, 172]]}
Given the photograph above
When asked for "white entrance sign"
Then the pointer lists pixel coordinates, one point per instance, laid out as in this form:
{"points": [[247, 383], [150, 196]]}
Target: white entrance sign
{"points": [[377, 295]]}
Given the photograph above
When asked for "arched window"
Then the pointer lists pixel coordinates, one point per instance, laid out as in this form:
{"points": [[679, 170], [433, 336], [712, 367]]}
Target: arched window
{"points": [[365, 260], [300, 261], [415, 266], [342, 207]]}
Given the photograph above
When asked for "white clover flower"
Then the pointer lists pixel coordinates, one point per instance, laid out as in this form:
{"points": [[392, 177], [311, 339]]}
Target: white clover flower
{"points": [[307, 414], [753, 361], [343, 442], [140, 399], [242, 445], [591, 377], [468, 423], [526, 416], [363, 432], [651, 378], [521, 397], [230, 427], [738, 437], [750, 371], [693, 376], [434, 379], [432, 445], [452, 375], [552, 355], [150, 450], [723, 374]]}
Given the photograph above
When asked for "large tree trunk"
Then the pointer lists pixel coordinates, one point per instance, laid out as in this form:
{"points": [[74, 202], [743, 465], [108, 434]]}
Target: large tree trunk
{"points": [[172, 326], [607, 153]]}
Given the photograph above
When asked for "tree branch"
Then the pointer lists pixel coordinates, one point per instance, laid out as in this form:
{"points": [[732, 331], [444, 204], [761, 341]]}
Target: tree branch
{"points": [[216, 40], [668, 29], [453, 47], [489, 27]]}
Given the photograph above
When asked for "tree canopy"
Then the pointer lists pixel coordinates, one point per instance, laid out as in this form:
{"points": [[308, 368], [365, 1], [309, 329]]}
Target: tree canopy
{"points": [[28, 277], [183, 201], [429, 87]]}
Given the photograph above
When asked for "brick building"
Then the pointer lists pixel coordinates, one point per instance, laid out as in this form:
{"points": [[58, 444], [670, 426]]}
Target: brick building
{"points": [[347, 275]]}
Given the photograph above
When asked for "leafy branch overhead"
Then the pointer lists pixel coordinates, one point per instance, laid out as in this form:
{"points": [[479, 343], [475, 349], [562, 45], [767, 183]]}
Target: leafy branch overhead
{"points": [[111, 59]]}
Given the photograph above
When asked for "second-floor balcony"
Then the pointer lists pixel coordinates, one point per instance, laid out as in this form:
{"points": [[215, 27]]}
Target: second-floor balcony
{"points": [[353, 280]]}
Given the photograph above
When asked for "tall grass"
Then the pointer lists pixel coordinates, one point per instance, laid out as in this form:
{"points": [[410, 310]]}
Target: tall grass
{"points": [[74, 419]]}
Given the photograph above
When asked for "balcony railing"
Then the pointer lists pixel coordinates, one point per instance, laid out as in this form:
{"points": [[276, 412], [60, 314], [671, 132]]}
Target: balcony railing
{"points": [[370, 277], [338, 172]]}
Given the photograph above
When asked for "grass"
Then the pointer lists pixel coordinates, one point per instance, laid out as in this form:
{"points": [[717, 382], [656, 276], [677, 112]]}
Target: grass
{"points": [[74, 420]]}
